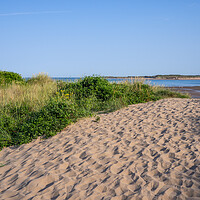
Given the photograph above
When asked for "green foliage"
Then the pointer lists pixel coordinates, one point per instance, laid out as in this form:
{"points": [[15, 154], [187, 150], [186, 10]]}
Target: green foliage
{"points": [[9, 77], [166, 93], [96, 86], [21, 121], [50, 119], [5, 138], [2, 165], [97, 119], [89, 86]]}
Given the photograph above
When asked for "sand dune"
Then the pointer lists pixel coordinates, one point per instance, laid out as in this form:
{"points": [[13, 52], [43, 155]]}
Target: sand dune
{"points": [[144, 151]]}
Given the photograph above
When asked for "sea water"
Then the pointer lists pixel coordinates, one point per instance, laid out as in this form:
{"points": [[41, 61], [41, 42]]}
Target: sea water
{"points": [[166, 83]]}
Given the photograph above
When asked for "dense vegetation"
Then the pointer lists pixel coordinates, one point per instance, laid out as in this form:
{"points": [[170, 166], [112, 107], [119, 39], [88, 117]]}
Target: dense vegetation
{"points": [[10, 77], [43, 107]]}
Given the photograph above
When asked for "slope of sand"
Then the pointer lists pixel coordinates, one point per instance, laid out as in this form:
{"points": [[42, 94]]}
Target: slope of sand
{"points": [[144, 151]]}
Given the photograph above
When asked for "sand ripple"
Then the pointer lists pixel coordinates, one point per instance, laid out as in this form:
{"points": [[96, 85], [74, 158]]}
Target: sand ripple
{"points": [[145, 151]]}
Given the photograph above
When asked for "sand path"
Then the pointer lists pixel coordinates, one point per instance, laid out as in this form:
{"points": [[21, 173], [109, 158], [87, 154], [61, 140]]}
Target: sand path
{"points": [[144, 151]]}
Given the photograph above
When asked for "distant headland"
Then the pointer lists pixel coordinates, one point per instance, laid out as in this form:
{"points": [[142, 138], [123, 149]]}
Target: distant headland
{"points": [[169, 77]]}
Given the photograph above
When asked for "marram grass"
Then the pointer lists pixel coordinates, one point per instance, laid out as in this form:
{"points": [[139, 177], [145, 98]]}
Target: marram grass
{"points": [[34, 95]]}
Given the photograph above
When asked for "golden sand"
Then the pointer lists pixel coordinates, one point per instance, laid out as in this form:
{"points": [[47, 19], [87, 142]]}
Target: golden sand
{"points": [[144, 151]]}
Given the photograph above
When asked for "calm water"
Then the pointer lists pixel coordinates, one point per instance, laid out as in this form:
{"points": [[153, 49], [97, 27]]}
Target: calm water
{"points": [[176, 83], [167, 83]]}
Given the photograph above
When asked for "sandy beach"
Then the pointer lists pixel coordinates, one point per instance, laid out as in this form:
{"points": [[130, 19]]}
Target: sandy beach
{"points": [[144, 151]]}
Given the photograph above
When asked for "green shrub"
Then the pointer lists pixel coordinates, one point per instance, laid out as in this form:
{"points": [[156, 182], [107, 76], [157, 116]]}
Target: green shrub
{"points": [[9, 77], [50, 119], [5, 138], [7, 125], [96, 86]]}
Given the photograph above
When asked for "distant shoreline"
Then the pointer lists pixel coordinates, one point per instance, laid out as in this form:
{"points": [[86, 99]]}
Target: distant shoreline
{"points": [[157, 77]]}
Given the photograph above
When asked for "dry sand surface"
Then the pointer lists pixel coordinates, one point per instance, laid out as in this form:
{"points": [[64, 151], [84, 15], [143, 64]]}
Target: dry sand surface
{"points": [[144, 151]]}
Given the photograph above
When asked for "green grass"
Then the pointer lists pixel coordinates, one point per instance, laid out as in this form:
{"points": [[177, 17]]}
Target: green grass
{"points": [[43, 107], [2, 165]]}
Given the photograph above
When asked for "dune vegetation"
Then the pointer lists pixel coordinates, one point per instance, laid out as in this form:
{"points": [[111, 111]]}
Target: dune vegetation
{"points": [[41, 106]]}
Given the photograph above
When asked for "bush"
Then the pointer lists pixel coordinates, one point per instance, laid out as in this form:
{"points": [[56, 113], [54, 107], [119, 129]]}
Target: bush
{"points": [[95, 86], [9, 77], [52, 118]]}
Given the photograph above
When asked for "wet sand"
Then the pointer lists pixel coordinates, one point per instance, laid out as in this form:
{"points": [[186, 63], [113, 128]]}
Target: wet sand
{"points": [[144, 151], [193, 91]]}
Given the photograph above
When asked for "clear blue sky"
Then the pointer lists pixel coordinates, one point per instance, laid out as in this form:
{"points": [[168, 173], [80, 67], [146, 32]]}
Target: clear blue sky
{"points": [[104, 37]]}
